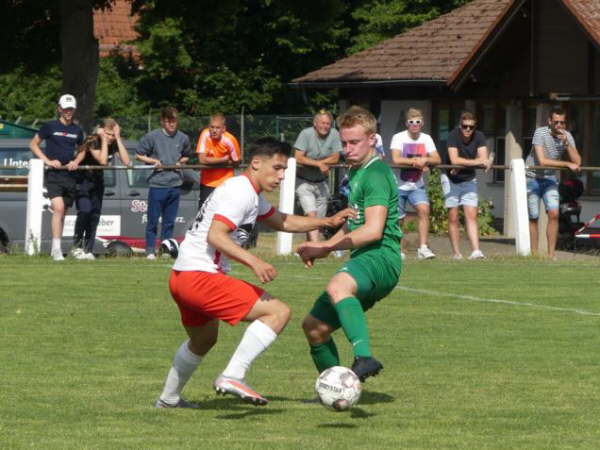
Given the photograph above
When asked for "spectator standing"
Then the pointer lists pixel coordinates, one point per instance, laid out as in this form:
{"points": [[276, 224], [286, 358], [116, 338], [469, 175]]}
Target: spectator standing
{"points": [[466, 147], [166, 146], [97, 149], [550, 144], [62, 137], [316, 148], [414, 148], [216, 146]]}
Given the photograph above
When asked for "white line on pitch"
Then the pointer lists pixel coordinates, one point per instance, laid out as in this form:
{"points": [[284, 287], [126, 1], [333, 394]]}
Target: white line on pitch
{"points": [[495, 300]]}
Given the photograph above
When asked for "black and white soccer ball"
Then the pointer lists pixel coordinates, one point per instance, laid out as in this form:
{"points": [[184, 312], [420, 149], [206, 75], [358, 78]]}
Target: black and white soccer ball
{"points": [[169, 247], [338, 388]]}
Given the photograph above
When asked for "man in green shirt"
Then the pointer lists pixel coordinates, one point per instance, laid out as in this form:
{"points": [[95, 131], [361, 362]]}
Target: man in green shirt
{"points": [[374, 239]]}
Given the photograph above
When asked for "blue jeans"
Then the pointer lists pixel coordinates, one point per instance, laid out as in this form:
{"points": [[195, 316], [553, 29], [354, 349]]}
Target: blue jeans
{"points": [[544, 188], [161, 202]]}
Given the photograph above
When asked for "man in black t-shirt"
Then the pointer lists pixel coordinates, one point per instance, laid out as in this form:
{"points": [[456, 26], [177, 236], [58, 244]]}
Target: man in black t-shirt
{"points": [[63, 137], [466, 147]]}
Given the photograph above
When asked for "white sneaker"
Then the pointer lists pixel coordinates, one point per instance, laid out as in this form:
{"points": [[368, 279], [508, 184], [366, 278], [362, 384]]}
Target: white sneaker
{"points": [[78, 253], [89, 256], [151, 256], [338, 253], [57, 255], [477, 254], [457, 257], [425, 253], [402, 256]]}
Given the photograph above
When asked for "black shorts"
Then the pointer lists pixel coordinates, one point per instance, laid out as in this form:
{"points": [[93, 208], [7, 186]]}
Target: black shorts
{"points": [[61, 184]]}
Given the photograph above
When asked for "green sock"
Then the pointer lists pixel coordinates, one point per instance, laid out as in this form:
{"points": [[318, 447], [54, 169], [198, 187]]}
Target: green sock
{"points": [[325, 355], [352, 318]]}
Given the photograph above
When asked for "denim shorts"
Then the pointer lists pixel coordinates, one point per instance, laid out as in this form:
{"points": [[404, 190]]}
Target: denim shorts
{"points": [[544, 188], [414, 197], [459, 194]]}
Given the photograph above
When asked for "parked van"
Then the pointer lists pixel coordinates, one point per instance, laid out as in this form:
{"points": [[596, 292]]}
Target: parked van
{"points": [[124, 206]]}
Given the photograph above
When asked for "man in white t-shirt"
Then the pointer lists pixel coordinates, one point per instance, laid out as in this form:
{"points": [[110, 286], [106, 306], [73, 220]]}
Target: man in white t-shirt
{"points": [[205, 294], [414, 148]]}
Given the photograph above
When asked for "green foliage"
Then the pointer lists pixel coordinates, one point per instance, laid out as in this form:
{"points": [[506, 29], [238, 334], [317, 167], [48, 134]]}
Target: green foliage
{"points": [[29, 95], [116, 96], [382, 19], [438, 215]]}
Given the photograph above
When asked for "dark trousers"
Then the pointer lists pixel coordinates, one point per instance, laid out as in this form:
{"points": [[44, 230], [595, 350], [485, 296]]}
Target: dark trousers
{"points": [[162, 202], [205, 192], [89, 208]]}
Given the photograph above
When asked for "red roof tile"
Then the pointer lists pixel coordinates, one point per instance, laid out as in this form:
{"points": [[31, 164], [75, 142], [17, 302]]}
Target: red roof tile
{"points": [[587, 12], [114, 27]]}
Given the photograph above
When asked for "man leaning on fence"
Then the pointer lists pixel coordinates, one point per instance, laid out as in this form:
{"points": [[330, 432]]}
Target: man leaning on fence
{"points": [[216, 146], [550, 144], [62, 137], [316, 148], [166, 146]]}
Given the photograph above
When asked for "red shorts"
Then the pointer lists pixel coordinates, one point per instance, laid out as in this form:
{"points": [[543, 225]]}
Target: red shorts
{"points": [[203, 296]]}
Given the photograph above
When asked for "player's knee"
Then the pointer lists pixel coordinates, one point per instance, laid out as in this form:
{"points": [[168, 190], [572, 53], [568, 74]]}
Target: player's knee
{"points": [[282, 311]]}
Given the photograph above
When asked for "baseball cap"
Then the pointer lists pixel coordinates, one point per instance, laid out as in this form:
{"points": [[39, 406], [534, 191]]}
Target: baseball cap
{"points": [[67, 101]]}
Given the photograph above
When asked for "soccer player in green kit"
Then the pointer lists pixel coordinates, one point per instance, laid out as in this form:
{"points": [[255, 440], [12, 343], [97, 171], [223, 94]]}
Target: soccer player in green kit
{"points": [[374, 239]]}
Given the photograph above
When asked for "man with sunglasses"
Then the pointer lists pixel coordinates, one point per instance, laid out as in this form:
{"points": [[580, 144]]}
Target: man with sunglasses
{"points": [[550, 143], [466, 147], [414, 148]]}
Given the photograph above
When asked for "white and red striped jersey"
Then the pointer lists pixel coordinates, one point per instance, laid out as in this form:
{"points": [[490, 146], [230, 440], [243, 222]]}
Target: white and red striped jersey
{"points": [[237, 204]]}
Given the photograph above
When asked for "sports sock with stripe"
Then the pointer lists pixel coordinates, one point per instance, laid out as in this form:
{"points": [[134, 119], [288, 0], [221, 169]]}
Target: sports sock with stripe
{"points": [[354, 324], [184, 365], [257, 337]]}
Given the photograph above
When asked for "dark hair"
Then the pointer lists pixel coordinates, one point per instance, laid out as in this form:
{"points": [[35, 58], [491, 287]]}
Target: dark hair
{"points": [[269, 147], [168, 112], [556, 110]]}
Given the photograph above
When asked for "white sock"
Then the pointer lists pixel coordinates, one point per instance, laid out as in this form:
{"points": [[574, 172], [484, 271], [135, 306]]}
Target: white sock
{"points": [[256, 340], [56, 244], [184, 365]]}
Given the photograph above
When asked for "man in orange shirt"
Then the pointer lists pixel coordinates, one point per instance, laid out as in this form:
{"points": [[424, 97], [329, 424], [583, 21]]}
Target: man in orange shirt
{"points": [[216, 146]]}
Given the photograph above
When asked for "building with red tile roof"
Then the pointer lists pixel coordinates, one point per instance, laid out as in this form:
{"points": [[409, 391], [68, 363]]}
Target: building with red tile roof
{"points": [[505, 60], [114, 28]]}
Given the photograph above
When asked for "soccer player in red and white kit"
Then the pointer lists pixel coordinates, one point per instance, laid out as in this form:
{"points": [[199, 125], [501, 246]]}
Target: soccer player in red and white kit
{"points": [[205, 294]]}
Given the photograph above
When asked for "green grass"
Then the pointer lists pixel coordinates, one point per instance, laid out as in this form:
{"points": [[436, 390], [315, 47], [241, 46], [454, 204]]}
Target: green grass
{"points": [[501, 353]]}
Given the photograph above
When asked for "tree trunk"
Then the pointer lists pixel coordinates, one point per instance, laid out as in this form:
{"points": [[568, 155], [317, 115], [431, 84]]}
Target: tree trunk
{"points": [[80, 58]]}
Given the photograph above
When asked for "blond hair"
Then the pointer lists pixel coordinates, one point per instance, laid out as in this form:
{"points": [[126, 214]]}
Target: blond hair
{"points": [[357, 115], [413, 112]]}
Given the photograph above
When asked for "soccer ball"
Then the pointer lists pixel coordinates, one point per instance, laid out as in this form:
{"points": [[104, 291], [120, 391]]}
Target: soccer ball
{"points": [[169, 247], [338, 388]]}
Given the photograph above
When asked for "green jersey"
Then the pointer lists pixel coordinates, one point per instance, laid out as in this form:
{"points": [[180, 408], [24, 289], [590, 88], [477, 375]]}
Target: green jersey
{"points": [[370, 185]]}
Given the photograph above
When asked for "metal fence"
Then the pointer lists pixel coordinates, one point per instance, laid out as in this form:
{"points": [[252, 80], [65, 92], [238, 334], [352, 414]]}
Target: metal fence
{"points": [[246, 127]]}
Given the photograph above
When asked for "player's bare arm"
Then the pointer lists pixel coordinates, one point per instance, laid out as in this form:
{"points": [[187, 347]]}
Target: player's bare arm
{"points": [[218, 237], [298, 224], [212, 160], [460, 161], [371, 231], [541, 157]]}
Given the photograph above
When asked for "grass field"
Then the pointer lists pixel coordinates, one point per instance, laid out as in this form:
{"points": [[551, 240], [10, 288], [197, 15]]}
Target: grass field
{"points": [[502, 353]]}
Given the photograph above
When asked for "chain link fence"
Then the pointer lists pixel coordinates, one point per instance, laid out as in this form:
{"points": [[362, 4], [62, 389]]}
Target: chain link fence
{"points": [[245, 127]]}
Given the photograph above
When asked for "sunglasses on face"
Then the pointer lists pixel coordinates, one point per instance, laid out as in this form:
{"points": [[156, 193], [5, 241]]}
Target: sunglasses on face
{"points": [[414, 121], [467, 127]]}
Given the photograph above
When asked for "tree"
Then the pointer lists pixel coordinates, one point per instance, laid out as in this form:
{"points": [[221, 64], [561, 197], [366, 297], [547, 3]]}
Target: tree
{"points": [[381, 19], [42, 33], [205, 56]]}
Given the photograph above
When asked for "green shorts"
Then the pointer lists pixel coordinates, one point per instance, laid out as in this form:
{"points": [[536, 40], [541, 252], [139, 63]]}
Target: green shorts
{"points": [[376, 275]]}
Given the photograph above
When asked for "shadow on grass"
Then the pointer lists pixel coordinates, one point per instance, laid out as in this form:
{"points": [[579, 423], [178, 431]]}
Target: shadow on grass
{"points": [[337, 425], [372, 398]]}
